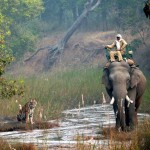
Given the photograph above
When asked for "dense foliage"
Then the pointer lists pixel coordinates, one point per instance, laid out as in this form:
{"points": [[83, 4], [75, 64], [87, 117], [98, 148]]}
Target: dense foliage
{"points": [[15, 38], [116, 15], [15, 17], [110, 14]]}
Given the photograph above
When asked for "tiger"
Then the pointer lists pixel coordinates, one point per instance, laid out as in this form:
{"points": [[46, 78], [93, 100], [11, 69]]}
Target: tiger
{"points": [[26, 112]]}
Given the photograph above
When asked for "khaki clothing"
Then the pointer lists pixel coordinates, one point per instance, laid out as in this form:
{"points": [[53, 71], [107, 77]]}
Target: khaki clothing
{"points": [[123, 44], [119, 50], [113, 53]]}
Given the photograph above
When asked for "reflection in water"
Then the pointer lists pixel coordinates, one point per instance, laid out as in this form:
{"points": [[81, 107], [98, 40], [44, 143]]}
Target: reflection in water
{"points": [[87, 121]]}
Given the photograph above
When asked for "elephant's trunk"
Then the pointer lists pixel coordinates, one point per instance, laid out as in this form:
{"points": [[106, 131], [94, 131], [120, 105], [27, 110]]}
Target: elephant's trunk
{"points": [[119, 91], [118, 100], [120, 115], [120, 111]]}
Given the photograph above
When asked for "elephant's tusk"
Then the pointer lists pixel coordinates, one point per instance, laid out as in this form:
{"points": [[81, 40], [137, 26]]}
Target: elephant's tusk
{"points": [[112, 100], [128, 99]]}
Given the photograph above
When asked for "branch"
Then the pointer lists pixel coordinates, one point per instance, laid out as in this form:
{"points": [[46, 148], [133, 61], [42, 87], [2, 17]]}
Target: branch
{"points": [[43, 48], [55, 49], [96, 5]]}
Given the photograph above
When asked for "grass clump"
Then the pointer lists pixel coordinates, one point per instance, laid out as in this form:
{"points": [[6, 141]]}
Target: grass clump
{"points": [[4, 145], [138, 139], [145, 105], [143, 136]]}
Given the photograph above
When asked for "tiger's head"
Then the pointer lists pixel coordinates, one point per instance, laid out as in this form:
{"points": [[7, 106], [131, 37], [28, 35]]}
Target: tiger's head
{"points": [[32, 103]]}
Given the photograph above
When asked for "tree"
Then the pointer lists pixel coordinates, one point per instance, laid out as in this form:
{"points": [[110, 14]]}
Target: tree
{"points": [[54, 50], [12, 14]]}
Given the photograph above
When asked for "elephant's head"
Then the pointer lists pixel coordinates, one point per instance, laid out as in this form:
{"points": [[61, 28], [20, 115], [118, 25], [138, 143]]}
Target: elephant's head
{"points": [[117, 79]]}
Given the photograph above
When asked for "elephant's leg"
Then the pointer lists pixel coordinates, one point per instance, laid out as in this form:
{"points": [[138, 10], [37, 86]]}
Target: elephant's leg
{"points": [[131, 115], [137, 104], [131, 108], [126, 113], [120, 117], [115, 107]]}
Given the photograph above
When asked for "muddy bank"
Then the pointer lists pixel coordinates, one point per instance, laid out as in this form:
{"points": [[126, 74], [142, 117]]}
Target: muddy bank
{"points": [[11, 124]]}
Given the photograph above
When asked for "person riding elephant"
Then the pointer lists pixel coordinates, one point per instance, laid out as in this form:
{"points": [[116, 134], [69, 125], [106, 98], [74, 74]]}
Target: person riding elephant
{"points": [[119, 44], [125, 86], [122, 50]]}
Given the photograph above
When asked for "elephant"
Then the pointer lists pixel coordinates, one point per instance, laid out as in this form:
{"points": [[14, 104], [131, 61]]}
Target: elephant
{"points": [[125, 86]]}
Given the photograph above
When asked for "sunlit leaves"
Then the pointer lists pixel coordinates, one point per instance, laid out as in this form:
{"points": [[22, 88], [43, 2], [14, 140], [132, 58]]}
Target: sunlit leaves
{"points": [[12, 14], [21, 9], [9, 88]]}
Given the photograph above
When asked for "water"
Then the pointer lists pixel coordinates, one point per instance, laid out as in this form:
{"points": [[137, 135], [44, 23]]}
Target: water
{"points": [[86, 122]]}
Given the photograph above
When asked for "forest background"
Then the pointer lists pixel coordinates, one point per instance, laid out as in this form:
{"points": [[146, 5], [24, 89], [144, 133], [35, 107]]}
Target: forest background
{"points": [[24, 24]]}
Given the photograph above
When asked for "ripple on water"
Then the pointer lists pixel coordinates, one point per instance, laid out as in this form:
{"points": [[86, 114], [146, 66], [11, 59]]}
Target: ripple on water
{"points": [[87, 121]]}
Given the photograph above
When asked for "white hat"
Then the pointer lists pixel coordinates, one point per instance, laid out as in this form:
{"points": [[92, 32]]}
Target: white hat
{"points": [[119, 35]]}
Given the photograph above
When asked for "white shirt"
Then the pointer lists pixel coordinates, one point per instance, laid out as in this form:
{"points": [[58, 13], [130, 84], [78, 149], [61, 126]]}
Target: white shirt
{"points": [[118, 45]]}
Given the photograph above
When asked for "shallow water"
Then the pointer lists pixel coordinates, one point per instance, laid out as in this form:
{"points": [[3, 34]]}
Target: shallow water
{"points": [[75, 123]]}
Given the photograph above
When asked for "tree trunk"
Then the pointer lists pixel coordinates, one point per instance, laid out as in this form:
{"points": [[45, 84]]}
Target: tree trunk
{"points": [[59, 47]]}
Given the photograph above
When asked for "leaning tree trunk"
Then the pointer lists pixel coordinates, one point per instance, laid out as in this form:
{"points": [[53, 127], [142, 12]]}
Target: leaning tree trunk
{"points": [[59, 47]]}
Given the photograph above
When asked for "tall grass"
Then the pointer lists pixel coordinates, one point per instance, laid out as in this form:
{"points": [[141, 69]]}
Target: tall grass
{"points": [[60, 90], [145, 105], [63, 90]]}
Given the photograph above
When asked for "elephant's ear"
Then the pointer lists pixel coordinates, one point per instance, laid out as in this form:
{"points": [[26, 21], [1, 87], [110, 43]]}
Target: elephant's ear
{"points": [[135, 78], [105, 79]]}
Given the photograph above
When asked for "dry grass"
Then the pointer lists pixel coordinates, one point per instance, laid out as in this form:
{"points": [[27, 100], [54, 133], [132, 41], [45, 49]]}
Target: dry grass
{"points": [[143, 136], [4, 145], [112, 133], [78, 52], [138, 139], [74, 55]]}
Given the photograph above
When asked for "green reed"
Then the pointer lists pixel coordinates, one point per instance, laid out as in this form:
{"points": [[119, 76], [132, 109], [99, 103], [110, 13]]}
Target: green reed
{"points": [[62, 90]]}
